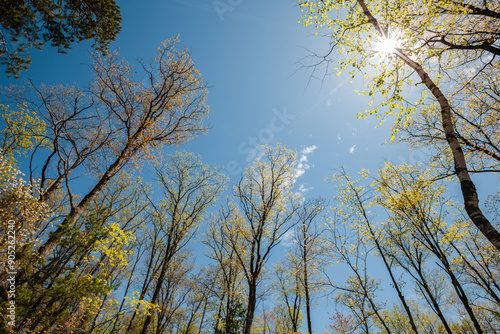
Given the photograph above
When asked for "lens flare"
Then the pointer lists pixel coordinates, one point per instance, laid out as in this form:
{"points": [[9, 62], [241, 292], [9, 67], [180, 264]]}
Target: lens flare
{"points": [[387, 45]]}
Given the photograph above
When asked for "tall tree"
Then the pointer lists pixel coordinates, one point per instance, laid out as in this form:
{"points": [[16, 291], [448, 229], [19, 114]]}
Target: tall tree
{"points": [[69, 290], [229, 289], [357, 24], [354, 197], [420, 246], [190, 188], [118, 121], [264, 214], [308, 236], [475, 103], [359, 291], [290, 293], [416, 209]]}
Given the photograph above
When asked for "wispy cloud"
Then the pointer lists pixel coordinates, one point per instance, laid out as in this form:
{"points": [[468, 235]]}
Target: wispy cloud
{"points": [[309, 149], [353, 147], [300, 172], [303, 188], [303, 165]]}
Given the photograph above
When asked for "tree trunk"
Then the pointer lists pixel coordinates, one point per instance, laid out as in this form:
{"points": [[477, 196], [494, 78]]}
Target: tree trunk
{"points": [[252, 300], [386, 263], [433, 302], [306, 283], [469, 193], [48, 247], [156, 292]]}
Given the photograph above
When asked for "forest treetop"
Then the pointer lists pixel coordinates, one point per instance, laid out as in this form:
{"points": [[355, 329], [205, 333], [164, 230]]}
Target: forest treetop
{"points": [[31, 24]]}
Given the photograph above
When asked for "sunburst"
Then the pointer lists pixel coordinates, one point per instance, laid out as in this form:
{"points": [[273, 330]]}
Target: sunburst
{"points": [[388, 45]]}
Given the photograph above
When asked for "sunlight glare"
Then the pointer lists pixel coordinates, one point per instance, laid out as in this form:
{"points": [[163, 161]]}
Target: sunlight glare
{"points": [[387, 46]]}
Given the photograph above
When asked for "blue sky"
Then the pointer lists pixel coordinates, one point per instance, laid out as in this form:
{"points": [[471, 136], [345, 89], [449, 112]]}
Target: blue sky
{"points": [[249, 53]]}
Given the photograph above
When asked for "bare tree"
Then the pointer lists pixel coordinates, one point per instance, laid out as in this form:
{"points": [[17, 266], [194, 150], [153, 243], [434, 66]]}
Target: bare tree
{"points": [[118, 120], [228, 277], [308, 236], [189, 187], [264, 215]]}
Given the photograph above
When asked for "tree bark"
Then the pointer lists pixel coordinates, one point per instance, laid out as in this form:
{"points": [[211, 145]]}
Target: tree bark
{"points": [[386, 263], [48, 247], [469, 193], [252, 300], [306, 282], [156, 293]]}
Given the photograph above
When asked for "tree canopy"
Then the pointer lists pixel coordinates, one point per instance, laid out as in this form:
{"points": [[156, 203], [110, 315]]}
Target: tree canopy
{"points": [[423, 34], [112, 229], [32, 24]]}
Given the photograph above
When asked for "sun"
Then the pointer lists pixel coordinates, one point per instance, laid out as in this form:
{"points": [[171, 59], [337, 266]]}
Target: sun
{"points": [[387, 45]]}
